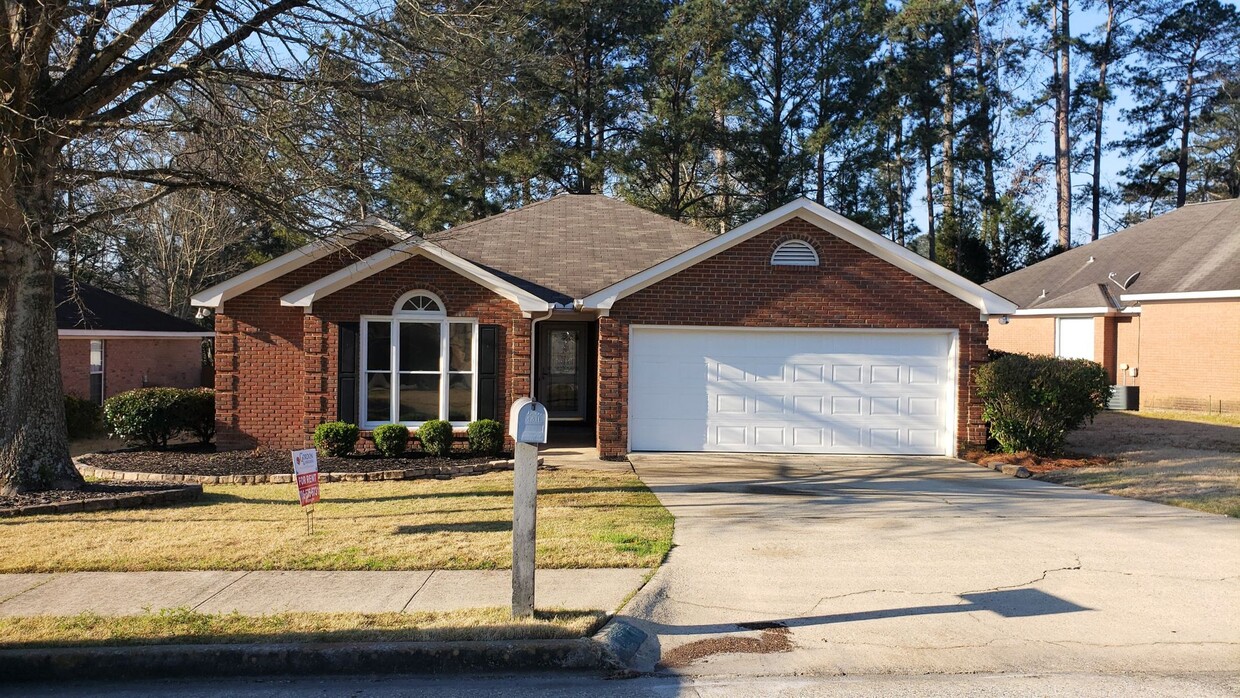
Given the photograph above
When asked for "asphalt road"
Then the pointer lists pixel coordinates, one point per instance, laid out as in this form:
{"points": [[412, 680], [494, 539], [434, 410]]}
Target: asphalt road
{"points": [[564, 686]]}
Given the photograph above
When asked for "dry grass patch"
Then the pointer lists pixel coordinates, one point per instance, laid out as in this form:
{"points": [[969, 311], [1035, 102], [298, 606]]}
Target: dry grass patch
{"points": [[586, 519], [183, 626]]}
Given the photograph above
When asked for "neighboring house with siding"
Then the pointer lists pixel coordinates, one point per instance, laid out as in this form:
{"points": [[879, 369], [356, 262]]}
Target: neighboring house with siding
{"points": [[110, 344], [1161, 297], [800, 331]]}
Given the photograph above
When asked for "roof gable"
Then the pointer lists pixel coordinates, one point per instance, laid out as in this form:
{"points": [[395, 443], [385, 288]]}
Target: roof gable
{"points": [[849, 231], [215, 296]]}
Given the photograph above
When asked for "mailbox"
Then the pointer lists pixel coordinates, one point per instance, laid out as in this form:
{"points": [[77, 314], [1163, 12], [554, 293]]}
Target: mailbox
{"points": [[527, 422]]}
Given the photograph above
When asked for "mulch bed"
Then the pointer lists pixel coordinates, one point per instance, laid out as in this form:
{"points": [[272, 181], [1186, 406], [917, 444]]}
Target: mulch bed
{"points": [[1036, 464], [96, 496], [196, 462]]}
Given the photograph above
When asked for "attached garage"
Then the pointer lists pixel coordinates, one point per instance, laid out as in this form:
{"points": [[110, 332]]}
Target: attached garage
{"points": [[790, 390]]}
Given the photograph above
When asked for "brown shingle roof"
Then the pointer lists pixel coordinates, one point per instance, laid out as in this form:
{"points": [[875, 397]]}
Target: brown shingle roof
{"points": [[1194, 248], [571, 245]]}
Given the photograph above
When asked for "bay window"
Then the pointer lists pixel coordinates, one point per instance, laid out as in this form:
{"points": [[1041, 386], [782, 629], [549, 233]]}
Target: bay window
{"points": [[418, 364]]}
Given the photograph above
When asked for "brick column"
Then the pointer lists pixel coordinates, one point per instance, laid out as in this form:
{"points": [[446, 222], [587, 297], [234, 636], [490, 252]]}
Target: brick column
{"points": [[1104, 344], [227, 427], [613, 387], [316, 364], [970, 427]]}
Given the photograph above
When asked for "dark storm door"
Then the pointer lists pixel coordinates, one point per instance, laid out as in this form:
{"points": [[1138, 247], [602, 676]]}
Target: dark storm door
{"points": [[562, 368]]}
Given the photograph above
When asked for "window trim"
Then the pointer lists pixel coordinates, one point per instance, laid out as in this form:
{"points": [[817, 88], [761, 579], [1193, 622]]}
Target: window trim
{"points": [[394, 371], [103, 368]]}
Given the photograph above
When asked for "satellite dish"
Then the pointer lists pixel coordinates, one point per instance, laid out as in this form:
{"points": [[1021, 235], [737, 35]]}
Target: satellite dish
{"points": [[1129, 280]]}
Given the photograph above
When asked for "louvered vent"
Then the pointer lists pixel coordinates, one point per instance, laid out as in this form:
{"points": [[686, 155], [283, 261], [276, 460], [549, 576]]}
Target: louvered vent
{"points": [[795, 253]]}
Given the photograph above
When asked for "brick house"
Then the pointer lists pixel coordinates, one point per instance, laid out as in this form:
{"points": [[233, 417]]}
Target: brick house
{"points": [[110, 344], [799, 331], [1157, 304]]}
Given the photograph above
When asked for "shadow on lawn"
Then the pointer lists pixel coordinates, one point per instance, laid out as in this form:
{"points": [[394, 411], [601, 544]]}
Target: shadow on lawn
{"points": [[460, 527], [228, 498]]}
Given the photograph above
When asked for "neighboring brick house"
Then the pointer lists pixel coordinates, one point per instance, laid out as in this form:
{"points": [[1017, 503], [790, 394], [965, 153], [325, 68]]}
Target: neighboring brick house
{"points": [[110, 344], [1157, 304], [799, 331]]}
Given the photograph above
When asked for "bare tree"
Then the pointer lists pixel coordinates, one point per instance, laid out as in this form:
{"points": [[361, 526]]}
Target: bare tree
{"points": [[96, 80]]}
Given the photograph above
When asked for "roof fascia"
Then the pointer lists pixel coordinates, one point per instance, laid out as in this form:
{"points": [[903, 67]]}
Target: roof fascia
{"points": [[1180, 296], [132, 334], [1099, 310], [305, 296], [215, 296], [987, 301]]}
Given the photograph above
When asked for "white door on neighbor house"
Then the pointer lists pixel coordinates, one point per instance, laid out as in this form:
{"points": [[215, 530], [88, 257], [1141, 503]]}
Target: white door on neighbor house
{"points": [[1074, 337], [791, 391]]}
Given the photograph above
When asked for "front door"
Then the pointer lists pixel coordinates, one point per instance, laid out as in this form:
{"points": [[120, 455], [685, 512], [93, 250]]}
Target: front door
{"points": [[562, 368]]}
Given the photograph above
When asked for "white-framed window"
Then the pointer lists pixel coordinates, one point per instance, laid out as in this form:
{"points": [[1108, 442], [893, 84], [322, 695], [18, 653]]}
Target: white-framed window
{"points": [[794, 253], [1074, 337], [418, 364], [96, 370]]}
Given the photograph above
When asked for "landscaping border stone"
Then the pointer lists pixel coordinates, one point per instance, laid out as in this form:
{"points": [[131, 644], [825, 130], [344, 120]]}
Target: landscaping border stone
{"points": [[187, 492], [440, 472], [172, 661]]}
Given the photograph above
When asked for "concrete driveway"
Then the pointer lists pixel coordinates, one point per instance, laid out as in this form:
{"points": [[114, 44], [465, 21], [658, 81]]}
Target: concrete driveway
{"points": [[916, 565]]}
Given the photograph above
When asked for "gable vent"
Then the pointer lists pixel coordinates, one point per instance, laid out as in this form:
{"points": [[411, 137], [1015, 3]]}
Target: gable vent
{"points": [[795, 253]]}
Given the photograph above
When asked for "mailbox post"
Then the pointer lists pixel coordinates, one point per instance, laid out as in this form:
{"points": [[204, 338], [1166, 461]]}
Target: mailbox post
{"points": [[527, 424]]}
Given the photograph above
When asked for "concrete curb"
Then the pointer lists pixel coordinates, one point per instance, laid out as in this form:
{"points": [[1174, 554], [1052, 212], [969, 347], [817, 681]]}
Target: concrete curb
{"points": [[443, 471], [172, 661], [132, 500]]}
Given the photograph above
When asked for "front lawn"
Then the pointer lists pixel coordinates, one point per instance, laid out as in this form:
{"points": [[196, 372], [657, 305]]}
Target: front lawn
{"points": [[1179, 458], [181, 626], [586, 519]]}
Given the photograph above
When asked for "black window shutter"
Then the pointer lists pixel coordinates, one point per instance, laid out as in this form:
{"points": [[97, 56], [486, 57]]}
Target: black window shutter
{"points": [[346, 371], [488, 369]]}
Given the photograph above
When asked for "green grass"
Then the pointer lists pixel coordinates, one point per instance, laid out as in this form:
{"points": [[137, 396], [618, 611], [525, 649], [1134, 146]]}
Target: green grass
{"points": [[184, 626], [586, 519]]}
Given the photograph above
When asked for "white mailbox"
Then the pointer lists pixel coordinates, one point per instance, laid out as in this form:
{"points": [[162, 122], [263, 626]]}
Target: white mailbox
{"points": [[527, 422]]}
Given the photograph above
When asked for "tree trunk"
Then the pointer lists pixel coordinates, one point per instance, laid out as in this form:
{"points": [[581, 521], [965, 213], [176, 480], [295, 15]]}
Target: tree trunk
{"points": [[1100, 102], [1181, 180], [926, 154], [1061, 57], [990, 198], [34, 442]]}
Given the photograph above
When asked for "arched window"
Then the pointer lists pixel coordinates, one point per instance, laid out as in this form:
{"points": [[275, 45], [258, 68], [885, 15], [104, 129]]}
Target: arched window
{"points": [[795, 253], [418, 364], [420, 302]]}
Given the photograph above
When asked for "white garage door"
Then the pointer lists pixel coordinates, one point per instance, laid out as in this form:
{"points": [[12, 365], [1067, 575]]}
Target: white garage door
{"points": [[790, 391]]}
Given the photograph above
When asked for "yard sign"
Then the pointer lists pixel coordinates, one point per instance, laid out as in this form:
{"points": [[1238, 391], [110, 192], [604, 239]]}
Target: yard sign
{"points": [[306, 470]]}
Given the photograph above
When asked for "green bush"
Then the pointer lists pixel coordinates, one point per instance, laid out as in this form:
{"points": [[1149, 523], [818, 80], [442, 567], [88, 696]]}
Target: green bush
{"points": [[197, 409], [336, 438], [486, 437], [391, 439], [1032, 402], [83, 417], [148, 416], [436, 437]]}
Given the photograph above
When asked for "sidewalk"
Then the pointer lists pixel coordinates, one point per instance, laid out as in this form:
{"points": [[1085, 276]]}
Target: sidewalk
{"points": [[259, 593]]}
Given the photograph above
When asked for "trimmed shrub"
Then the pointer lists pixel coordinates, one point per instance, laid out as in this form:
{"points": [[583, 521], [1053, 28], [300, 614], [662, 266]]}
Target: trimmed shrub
{"points": [[336, 438], [83, 417], [149, 416], [391, 439], [1032, 402], [486, 437], [436, 437], [197, 408]]}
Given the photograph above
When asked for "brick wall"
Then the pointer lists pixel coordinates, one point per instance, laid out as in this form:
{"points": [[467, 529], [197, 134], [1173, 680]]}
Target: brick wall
{"points": [[1023, 335], [738, 287], [259, 363], [276, 367], [1190, 355], [1128, 347], [132, 363]]}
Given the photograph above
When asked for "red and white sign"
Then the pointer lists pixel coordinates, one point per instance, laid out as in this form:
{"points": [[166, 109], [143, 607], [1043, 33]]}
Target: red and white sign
{"points": [[306, 470]]}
